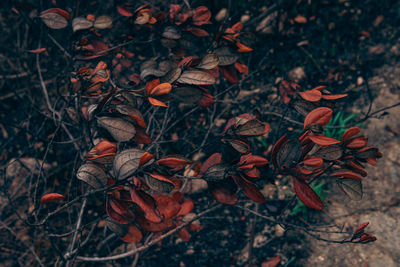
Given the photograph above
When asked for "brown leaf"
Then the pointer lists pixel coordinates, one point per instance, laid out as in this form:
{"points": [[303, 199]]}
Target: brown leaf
{"points": [[289, 154], [273, 262], [80, 23], [239, 145], [216, 172], [196, 77], [103, 22], [172, 75], [351, 187], [133, 113], [55, 18], [330, 152], [249, 189], [252, 128], [158, 184]]}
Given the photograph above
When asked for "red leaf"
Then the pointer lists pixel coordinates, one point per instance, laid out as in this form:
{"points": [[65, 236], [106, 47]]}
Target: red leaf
{"points": [[350, 133], [366, 238], [156, 102], [197, 32], [320, 115], [273, 262], [214, 159], [360, 229], [347, 174], [242, 68], [173, 161], [51, 197], [357, 142], [155, 227], [305, 193], [224, 196], [186, 207], [114, 215], [253, 160], [243, 48], [249, 189], [167, 206], [372, 161], [311, 95], [201, 16], [133, 235], [141, 137], [146, 203], [206, 100], [151, 85], [253, 173], [146, 157], [356, 167], [184, 234], [323, 140], [333, 97], [124, 12], [117, 206], [314, 162], [37, 51], [230, 74]]}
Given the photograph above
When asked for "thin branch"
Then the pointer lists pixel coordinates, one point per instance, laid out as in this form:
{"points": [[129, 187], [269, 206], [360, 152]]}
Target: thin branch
{"points": [[153, 242]]}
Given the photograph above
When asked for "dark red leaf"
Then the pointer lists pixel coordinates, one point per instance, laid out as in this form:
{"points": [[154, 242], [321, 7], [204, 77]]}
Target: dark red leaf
{"points": [[146, 157], [230, 74], [141, 137], [249, 189], [276, 148], [360, 229], [184, 234], [305, 193], [224, 196], [186, 207], [124, 12], [37, 51], [253, 160], [167, 206], [320, 115], [133, 235]]}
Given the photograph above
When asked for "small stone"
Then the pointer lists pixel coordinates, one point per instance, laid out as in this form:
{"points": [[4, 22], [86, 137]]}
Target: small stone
{"points": [[360, 81], [221, 15], [244, 18], [297, 74]]}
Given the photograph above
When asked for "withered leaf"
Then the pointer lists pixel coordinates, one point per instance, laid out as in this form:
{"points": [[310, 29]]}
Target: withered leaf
{"points": [[80, 23], [196, 77], [103, 22], [127, 162], [351, 187], [187, 94], [289, 154], [55, 18], [208, 62], [92, 175], [158, 185], [239, 146], [172, 32], [334, 152], [151, 72], [225, 56], [216, 172], [251, 128], [119, 128], [172, 75]]}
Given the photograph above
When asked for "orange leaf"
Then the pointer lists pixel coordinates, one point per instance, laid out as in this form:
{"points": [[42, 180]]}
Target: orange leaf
{"points": [[184, 234], [156, 102], [242, 48], [333, 97], [173, 161], [161, 89], [51, 197], [146, 203], [186, 207], [242, 68], [300, 19]]}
